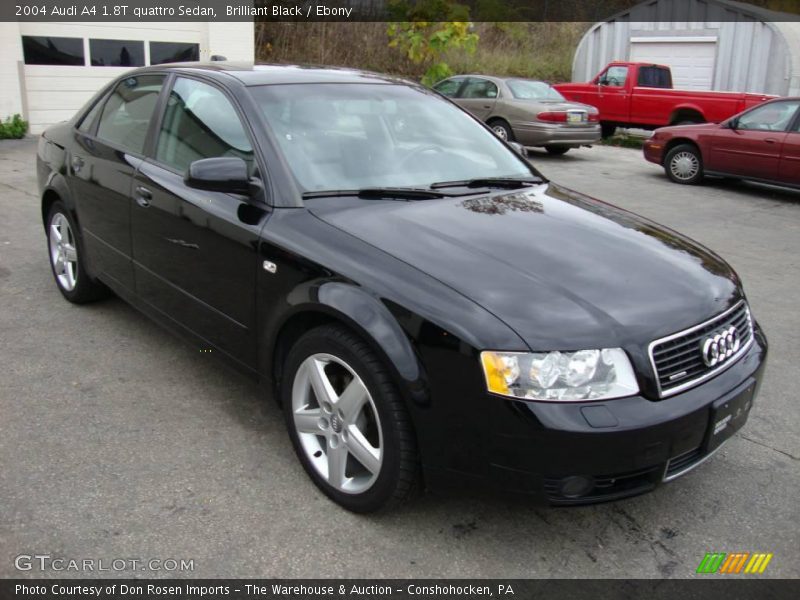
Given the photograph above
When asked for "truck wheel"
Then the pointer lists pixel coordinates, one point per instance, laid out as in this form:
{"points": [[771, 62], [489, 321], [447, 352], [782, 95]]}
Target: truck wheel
{"points": [[684, 164], [607, 130]]}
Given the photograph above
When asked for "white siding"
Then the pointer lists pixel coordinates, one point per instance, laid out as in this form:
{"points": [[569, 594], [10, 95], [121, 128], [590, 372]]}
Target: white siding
{"points": [[11, 100], [756, 50]]}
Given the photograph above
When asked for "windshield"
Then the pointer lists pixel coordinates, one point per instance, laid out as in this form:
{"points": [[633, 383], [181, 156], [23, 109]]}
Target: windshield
{"points": [[533, 90], [353, 136]]}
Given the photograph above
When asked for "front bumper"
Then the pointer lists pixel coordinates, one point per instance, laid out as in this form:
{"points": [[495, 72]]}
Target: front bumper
{"points": [[606, 450], [653, 151], [561, 134]]}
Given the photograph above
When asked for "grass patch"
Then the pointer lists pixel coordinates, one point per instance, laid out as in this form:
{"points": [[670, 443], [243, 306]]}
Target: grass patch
{"points": [[624, 140]]}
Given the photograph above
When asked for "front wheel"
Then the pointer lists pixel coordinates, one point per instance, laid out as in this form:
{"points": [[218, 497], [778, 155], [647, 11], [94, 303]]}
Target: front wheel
{"points": [[684, 164], [348, 424], [557, 150], [66, 258]]}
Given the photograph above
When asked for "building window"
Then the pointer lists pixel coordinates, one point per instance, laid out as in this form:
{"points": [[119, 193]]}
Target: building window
{"points": [[41, 50], [116, 53], [166, 52]]}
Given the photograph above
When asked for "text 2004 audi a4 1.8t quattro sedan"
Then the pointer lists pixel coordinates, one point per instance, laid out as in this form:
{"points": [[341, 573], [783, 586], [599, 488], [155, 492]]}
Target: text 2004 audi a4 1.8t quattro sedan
{"points": [[427, 307]]}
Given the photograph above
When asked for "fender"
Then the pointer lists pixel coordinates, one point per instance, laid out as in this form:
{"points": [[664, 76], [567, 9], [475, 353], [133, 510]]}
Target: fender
{"points": [[687, 106], [362, 312]]}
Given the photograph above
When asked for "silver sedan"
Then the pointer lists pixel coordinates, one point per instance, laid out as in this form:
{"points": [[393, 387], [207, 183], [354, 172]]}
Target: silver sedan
{"points": [[526, 111]]}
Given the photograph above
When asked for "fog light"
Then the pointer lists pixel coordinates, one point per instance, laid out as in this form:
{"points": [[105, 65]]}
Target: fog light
{"points": [[576, 486]]}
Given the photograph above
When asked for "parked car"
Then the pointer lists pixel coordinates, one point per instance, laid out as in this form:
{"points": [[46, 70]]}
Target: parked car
{"points": [[760, 144], [630, 94], [424, 304], [529, 112]]}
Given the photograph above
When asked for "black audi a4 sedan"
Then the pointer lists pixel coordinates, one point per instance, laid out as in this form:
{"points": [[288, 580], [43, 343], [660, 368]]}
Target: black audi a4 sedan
{"points": [[426, 306]]}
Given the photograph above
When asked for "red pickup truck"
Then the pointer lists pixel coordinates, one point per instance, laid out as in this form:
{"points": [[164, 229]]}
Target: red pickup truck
{"points": [[629, 94]]}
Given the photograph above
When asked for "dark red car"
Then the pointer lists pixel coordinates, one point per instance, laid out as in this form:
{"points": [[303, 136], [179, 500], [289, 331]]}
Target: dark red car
{"points": [[760, 144]]}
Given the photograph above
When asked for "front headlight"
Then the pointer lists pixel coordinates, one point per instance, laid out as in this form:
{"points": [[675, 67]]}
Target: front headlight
{"points": [[560, 376]]}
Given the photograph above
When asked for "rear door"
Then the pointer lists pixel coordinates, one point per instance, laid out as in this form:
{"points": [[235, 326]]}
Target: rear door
{"points": [[753, 148], [195, 252], [478, 96], [789, 168], [110, 146]]}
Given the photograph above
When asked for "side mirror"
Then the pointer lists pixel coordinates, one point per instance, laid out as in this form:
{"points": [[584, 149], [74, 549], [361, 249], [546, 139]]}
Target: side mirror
{"points": [[224, 174], [732, 124], [519, 148]]}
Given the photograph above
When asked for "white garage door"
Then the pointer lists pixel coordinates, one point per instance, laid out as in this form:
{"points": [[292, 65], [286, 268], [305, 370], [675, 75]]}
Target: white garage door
{"points": [[691, 59]]}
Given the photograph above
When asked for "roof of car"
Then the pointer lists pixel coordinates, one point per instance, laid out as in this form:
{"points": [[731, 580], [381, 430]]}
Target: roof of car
{"points": [[265, 74]]}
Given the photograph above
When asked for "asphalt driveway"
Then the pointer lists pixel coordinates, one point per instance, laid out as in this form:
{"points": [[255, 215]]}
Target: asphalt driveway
{"points": [[119, 441]]}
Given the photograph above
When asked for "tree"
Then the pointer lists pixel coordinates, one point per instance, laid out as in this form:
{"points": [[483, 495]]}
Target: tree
{"points": [[424, 39]]}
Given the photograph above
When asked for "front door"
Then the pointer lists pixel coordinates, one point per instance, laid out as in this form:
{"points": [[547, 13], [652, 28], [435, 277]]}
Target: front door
{"points": [[789, 169], [612, 94], [753, 147], [102, 166], [195, 252]]}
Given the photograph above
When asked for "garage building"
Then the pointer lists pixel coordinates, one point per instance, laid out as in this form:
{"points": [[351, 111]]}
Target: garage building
{"points": [[709, 45], [49, 70]]}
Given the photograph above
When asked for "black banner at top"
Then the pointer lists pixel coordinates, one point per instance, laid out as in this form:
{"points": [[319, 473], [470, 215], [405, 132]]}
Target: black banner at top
{"points": [[735, 588], [399, 10]]}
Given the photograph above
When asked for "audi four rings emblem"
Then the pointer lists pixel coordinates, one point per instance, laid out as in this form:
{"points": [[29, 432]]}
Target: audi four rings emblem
{"points": [[721, 346]]}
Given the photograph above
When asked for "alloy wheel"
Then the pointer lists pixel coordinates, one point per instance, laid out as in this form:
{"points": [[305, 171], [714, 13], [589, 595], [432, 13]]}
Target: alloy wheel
{"points": [[63, 252], [337, 423]]}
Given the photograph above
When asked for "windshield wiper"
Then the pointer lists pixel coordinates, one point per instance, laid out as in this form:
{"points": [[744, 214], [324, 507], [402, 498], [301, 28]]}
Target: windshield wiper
{"points": [[379, 193], [510, 183]]}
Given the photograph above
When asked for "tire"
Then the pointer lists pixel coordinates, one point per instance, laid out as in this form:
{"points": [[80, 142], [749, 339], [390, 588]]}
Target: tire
{"points": [[358, 412], [502, 129], [65, 250], [557, 150], [684, 164], [607, 130]]}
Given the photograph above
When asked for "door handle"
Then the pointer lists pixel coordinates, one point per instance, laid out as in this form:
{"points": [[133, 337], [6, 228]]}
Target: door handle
{"points": [[770, 140], [143, 196], [487, 106]]}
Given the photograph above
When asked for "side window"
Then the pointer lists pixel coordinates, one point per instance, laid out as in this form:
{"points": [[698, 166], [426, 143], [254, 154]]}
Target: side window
{"points": [[127, 112], [90, 117], [614, 76], [200, 122], [654, 77], [774, 116], [479, 88], [448, 87]]}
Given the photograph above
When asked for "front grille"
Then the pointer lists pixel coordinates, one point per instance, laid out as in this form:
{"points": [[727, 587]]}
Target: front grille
{"points": [[678, 359]]}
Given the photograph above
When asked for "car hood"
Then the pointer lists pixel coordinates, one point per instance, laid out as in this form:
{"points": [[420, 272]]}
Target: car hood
{"points": [[689, 128], [563, 270]]}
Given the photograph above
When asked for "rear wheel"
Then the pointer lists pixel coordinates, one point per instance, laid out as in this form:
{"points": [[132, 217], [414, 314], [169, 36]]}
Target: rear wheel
{"points": [[684, 164], [607, 130], [502, 129], [557, 149], [348, 425], [66, 258]]}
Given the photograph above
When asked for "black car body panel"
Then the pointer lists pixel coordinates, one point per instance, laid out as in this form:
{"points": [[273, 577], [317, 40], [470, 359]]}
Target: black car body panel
{"points": [[428, 284]]}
